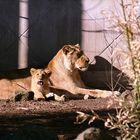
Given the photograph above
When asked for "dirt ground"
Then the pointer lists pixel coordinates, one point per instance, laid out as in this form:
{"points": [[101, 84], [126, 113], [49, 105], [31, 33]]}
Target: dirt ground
{"points": [[57, 117], [32, 108]]}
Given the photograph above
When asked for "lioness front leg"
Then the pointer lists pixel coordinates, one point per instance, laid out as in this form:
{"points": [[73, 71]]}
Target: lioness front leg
{"points": [[96, 92]]}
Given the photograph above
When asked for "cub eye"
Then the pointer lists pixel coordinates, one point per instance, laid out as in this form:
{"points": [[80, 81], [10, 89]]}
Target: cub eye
{"points": [[44, 75], [79, 54]]}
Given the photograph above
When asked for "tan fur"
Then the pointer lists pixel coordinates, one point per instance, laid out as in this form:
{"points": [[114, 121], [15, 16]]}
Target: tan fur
{"points": [[39, 83], [65, 68], [65, 75], [9, 87]]}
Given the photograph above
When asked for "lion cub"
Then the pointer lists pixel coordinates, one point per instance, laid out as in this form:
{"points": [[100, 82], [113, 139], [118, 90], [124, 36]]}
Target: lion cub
{"points": [[40, 85]]}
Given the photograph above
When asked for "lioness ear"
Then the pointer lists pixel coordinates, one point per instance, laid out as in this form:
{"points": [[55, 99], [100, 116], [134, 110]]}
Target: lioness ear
{"points": [[66, 49], [32, 70]]}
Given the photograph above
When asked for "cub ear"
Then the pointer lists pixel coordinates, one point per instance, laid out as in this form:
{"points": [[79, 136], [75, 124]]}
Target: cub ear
{"points": [[48, 72], [77, 45], [32, 71], [66, 49]]}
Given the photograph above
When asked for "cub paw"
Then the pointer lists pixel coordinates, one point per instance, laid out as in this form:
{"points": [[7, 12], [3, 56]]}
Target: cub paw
{"points": [[49, 96], [39, 97], [59, 98]]}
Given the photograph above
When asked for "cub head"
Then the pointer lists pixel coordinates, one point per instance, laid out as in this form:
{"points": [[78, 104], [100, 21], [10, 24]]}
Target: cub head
{"points": [[39, 76], [74, 58]]}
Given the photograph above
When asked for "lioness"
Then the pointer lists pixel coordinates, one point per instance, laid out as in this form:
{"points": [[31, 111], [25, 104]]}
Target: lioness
{"points": [[65, 68], [65, 75]]}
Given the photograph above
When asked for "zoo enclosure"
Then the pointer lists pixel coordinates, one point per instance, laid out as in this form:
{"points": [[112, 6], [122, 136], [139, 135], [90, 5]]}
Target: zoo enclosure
{"points": [[31, 32]]}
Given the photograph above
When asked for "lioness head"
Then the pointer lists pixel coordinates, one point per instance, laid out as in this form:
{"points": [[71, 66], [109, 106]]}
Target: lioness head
{"points": [[74, 58], [39, 76]]}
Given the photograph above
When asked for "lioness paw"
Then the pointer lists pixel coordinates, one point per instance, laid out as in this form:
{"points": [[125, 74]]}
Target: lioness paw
{"points": [[116, 93], [109, 94], [104, 93]]}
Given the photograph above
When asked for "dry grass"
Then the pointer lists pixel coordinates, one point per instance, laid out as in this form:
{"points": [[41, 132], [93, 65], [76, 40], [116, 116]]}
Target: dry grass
{"points": [[127, 120]]}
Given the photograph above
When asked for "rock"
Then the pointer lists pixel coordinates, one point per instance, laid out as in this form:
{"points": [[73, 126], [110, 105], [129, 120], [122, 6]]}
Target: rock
{"points": [[94, 133]]}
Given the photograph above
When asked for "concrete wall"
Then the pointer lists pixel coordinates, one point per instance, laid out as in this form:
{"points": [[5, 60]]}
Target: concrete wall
{"points": [[32, 31], [96, 30], [9, 17]]}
